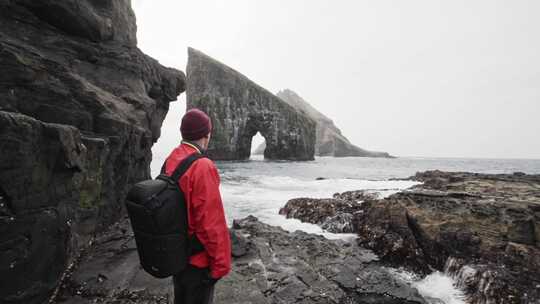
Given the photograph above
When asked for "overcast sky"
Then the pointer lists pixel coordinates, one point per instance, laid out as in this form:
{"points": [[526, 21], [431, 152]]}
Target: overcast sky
{"points": [[444, 78]]}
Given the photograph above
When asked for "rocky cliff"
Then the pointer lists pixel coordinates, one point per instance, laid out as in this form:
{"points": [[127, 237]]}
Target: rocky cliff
{"points": [[329, 140], [482, 229], [80, 108], [239, 109]]}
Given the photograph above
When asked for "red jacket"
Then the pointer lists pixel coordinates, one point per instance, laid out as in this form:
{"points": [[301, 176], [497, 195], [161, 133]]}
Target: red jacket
{"points": [[206, 217]]}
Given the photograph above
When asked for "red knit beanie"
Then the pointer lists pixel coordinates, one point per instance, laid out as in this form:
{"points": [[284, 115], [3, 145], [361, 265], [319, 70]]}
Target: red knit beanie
{"points": [[195, 125]]}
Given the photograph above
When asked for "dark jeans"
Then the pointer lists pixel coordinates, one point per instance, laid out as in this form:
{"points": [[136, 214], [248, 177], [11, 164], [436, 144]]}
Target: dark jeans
{"points": [[192, 286]]}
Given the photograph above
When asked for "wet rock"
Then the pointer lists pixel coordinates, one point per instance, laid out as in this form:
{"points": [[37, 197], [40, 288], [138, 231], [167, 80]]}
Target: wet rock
{"points": [[484, 221], [356, 196], [333, 215], [239, 244], [339, 223], [80, 107], [275, 267], [480, 228], [240, 108], [109, 272], [305, 268], [389, 231]]}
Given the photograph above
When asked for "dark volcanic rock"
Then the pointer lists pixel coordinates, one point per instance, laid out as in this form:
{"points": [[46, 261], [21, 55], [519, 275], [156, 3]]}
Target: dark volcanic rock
{"points": [[330, 141], [270, 265], [304, 268], [356, 196], [333, 215], [483, 229], [240, 108], [80, 107], [109, 272]]}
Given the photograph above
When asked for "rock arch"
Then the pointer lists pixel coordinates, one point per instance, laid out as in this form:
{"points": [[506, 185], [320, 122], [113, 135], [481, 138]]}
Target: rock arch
{"points": [[239, 109]]}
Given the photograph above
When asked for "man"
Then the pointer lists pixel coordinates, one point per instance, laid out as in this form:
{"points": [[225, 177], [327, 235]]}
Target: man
{"points": [[206, 218]]}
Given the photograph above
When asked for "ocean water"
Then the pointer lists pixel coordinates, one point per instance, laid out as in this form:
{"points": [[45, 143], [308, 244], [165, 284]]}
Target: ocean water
{"points": [[260, 188]]}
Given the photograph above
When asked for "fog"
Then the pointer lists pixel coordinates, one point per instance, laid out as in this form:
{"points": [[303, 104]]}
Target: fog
{"points": [[412, 78]]}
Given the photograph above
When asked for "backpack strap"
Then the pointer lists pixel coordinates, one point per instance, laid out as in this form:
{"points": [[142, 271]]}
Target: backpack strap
{"points": [[184, 165], [195, 246]]}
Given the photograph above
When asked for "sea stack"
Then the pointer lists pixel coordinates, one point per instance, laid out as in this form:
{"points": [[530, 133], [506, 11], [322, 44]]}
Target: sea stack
{"points": [[239, 108], [330, 141], [80, 108]]}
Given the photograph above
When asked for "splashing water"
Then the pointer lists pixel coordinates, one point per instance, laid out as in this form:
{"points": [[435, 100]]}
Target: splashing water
{"points": [[263, 196], [436, 288], [440, 286]]}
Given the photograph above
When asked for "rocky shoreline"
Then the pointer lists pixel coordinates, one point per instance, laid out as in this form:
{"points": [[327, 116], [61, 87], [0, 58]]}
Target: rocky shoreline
{"points": [[469, 226], [81, 107], [270, 265], [482, 229]]}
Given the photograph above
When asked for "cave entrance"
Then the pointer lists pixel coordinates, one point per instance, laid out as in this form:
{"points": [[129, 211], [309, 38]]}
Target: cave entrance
{"points": [[258, 145]]}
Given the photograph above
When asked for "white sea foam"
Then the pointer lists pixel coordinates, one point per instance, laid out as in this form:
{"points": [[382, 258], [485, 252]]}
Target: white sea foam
{"points": [[263, 196], [440, 286], [436, 287]]}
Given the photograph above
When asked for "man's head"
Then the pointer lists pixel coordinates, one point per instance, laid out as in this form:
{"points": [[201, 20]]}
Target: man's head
{"points": [[196, 127]]}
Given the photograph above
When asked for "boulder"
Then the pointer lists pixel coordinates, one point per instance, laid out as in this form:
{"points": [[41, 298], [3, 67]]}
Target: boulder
{"points": [[333, 215], [239, 109]]}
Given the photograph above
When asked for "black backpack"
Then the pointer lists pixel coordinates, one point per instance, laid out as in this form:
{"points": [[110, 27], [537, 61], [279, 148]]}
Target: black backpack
{"points": [[158, 213]]}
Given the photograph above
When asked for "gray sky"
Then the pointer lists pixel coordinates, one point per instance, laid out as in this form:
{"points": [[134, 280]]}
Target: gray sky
{"points": [[445, 78]]}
